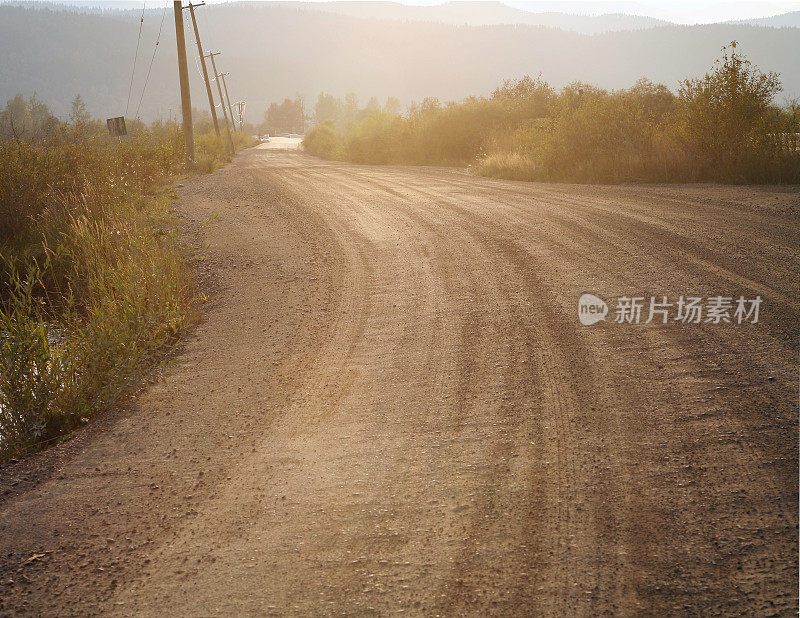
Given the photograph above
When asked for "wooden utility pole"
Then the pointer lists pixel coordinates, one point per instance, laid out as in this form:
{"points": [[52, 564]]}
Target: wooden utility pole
{"points": [[230, 109], [219, 88], [203, 63], [186, 98]]}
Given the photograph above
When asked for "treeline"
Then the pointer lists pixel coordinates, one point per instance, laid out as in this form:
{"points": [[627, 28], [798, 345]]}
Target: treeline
{"points": [[724, 127], [94, 287], [275, 50], [291, 116], [286, 117]]}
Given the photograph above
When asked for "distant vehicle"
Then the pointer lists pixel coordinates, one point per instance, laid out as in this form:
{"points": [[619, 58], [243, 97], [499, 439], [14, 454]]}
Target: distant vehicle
{"points": [[295, 135], [263, 138]]}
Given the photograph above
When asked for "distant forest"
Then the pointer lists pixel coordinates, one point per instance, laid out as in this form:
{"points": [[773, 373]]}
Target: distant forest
{"points": [[276, 53]]}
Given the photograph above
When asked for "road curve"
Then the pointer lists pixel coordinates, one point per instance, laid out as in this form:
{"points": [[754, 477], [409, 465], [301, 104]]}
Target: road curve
{"points": [[391, 407]]}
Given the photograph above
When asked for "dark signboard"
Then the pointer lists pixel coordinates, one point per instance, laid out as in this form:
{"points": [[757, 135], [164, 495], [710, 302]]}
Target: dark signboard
{"points": [[116, 126]]}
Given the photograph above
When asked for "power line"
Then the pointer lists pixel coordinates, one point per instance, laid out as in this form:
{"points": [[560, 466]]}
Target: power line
{"points": [[205, 68], [155, 49], [195, 57], [135, 56], [197, 63], [211, 38], [208, 28]]}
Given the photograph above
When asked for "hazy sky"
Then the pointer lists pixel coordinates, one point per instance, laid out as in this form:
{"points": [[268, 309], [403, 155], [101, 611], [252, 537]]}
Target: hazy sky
{"points": [[684, 12]]}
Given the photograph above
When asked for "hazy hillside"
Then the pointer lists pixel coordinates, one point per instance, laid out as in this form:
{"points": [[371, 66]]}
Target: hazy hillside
{"points": [[786, 20], [480, 14], [275, 52]]}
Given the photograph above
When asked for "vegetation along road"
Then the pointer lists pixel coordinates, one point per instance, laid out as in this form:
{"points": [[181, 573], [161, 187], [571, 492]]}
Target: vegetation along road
{"points": [[391, 406]]}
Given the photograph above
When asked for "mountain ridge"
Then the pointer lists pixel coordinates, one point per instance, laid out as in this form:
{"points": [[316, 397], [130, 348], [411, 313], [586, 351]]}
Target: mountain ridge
{"points": [[274, 53]]}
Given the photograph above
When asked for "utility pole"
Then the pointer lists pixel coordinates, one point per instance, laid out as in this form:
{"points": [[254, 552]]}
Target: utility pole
{"points": [[186, 97], [203, 63], [219, 88], [230, 109]]}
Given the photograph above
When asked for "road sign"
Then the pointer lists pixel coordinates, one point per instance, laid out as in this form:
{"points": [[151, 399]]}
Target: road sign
{"points": [[116, 126]]}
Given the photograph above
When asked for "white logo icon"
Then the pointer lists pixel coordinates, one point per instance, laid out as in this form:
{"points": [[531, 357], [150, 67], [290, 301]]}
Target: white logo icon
{"points": [[591, 309]]}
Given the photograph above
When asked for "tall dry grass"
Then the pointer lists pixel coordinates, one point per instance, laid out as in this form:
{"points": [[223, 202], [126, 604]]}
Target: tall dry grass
{"points": [[94, 286]]}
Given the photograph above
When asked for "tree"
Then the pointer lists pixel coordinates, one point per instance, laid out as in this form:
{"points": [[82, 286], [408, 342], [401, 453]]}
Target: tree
{"points": [[529, 97], [393, 107], [79, 116], [372, 106], [429, 105], [30, 120], [288, 117], [328, 107], [724, 116], [350, 111]]}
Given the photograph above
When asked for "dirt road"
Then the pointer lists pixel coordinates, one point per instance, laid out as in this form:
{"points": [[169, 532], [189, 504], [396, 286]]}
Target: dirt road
{"points": [[391, 407]]}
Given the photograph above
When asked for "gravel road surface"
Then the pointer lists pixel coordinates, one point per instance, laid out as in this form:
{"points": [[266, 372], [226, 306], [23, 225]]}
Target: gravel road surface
{"points": [[392, 407]]}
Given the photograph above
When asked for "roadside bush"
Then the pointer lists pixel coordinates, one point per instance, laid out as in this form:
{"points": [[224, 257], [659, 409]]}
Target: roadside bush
{"points": [[93, 284], [211, 151], [509, 153], [378, 139], [325, 141], [596, 136], [455, 134], [510, 165], [729, 129], [723, 127], [37, 180]]}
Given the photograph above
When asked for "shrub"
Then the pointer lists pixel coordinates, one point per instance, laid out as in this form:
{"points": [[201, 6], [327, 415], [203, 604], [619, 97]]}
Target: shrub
{"points": [[378, 139], [728, 126], [596, 136], [74, 341], [93, 284], [325, 141]]}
